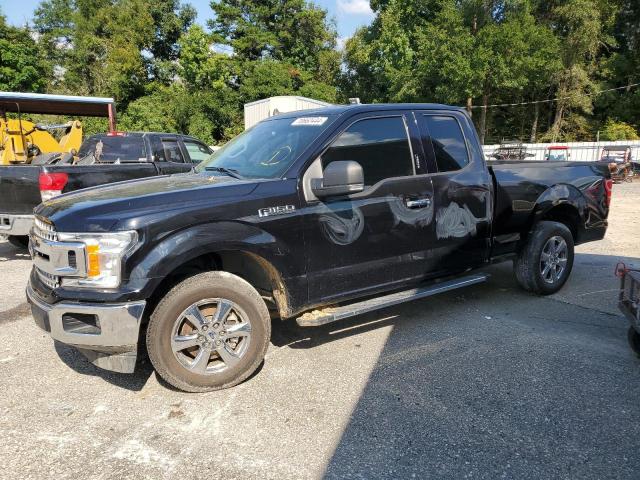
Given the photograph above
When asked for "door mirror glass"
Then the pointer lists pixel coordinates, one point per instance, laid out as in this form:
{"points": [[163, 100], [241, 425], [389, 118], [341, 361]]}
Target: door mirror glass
{"points": [[342, 177]]}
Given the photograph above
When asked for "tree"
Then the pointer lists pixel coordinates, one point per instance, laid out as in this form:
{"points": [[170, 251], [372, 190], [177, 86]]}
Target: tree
{"points": [[578, 24], [618, 131], [111, 47], [294, 31], [200, 66], [21, 66]]}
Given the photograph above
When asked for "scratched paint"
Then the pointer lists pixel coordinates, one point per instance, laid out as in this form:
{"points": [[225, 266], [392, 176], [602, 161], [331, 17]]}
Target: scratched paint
{"points": [[402, 214], [455, 221], [344, 227]]}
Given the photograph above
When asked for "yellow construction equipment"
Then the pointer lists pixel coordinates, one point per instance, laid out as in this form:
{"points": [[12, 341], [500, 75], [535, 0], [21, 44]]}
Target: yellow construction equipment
{"points": [[22, 141]]}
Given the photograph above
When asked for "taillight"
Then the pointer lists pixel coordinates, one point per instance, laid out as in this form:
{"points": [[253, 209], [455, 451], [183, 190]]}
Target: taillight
{"points": [[608, 187], [51, 184]]}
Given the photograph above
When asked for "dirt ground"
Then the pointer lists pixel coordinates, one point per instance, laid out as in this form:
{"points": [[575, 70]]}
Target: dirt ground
{"points": [[487, 382]]}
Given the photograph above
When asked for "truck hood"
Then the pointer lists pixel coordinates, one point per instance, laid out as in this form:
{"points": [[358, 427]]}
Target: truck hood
{"points": [[124, 205]]}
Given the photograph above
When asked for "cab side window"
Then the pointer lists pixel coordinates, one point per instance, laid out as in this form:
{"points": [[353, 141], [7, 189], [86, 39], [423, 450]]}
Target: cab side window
{"points": [[197, 151], [172, 151], [448, 142], [379, 145]]}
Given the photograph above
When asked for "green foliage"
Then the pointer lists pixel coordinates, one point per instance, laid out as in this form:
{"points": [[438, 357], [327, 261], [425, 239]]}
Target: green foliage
{"points": [[618, 131], [170, 74], [294, 31], [21, 66]]}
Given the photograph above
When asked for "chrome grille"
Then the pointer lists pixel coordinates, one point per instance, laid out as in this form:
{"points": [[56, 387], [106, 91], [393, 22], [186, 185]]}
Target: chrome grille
{"points": [[44, 230], [50, 281]]}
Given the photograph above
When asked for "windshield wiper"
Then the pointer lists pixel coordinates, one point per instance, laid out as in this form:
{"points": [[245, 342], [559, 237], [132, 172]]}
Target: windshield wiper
{"points": [[232, 172]]}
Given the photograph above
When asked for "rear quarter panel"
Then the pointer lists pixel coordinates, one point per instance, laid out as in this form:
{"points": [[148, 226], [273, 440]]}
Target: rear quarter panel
{"points": [[526, 191]]}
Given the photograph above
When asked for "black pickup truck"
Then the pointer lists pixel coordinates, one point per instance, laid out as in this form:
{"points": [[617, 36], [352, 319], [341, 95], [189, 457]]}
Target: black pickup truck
{"points": [[314, 216], [102, 159]]}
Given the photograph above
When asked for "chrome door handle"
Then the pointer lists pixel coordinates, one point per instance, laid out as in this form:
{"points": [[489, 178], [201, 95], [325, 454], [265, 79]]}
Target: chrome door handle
{"points": [[419, 203]]}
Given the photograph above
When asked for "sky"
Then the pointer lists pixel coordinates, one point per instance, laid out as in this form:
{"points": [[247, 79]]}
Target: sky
{"points": [[349, 14]]}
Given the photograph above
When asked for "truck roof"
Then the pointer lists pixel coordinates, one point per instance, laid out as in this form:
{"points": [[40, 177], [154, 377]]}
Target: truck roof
{"points": [[139, 134], [366, 107]]}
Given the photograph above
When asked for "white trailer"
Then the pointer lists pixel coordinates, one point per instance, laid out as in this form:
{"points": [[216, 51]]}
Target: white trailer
{"points": [[257, 111]]}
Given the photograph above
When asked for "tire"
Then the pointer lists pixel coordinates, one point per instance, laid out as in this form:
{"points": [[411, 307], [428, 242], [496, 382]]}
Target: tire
{"points": [[234, 349], [21, 241], [634, 340], [530, 265]]}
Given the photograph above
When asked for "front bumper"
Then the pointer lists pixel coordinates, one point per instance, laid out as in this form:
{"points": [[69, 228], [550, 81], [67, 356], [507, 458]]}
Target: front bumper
{"points": [[15, 225], [106, 333]]}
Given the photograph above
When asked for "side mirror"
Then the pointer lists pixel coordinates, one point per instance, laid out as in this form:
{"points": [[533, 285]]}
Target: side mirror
{"points": [[342, 177]]}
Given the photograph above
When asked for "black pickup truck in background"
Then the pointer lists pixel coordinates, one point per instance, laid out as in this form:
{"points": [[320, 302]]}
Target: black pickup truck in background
{"points": [[102, 159], [314, 216]]}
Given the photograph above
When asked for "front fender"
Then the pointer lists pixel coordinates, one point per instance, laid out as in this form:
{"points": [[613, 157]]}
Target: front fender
{"points": [[154, 264]]}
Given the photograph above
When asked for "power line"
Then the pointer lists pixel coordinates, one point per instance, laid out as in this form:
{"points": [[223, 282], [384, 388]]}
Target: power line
{"points": [[557, 98]]}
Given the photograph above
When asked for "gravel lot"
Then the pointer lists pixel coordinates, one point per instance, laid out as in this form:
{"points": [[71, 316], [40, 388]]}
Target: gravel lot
{"points": [[486, 382]]}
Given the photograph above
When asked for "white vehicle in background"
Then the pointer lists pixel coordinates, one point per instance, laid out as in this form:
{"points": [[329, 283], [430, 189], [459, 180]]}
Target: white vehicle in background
{"points": [[259, 110]]}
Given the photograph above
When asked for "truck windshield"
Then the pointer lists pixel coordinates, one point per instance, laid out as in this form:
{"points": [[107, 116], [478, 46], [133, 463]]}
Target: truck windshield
{"points": [[268, 149]]}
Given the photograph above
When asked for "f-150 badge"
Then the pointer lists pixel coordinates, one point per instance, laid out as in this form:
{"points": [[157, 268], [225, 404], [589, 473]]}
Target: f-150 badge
{"points": [[280, 210]]}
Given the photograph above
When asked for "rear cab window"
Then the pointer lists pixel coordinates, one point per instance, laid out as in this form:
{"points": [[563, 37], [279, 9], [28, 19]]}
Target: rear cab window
{"points": [[379, 144], [447, 141], [113, 149]]}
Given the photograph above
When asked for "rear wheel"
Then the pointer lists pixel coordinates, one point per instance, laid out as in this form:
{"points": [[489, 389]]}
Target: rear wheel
{"points": [[544, 264], [21, 241], [209, 332]]}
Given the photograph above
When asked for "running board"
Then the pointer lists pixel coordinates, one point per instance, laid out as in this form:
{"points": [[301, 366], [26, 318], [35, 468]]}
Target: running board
{"points": [[333, 314]]}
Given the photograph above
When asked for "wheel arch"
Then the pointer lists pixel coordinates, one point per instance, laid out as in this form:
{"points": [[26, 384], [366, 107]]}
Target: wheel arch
{"points": [[564, 204], [241, 249]]}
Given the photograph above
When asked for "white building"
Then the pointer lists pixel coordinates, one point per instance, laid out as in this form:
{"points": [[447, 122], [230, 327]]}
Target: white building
{"points": [[257, 111]]}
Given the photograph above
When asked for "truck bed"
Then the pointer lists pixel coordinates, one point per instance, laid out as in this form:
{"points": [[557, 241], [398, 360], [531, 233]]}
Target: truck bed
{"points": [[520, 185], [20, 189]]}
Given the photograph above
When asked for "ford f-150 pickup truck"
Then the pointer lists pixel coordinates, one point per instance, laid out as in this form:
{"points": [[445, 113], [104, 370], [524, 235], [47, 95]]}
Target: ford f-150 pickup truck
{"points": [[102, 159], [314, 216]]}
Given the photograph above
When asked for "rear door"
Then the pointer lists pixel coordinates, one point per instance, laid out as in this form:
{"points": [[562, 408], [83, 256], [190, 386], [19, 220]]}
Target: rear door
{"points": [[463, 190], [380, 237], [169, 156]]}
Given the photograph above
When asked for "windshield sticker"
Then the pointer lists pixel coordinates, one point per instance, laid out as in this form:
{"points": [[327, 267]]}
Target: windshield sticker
{"points": [[309, 121]]}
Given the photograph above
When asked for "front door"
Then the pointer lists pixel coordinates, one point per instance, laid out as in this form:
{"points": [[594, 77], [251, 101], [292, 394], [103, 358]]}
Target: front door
{"points": [[169, 156], [380, 237]]}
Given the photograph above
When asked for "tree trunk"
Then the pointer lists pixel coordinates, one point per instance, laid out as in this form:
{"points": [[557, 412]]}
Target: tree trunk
{"points": [[470, 106], [534, 127], [557, 122], [483, 118]]}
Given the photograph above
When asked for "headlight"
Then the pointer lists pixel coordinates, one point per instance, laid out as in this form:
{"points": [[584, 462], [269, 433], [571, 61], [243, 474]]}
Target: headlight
{"points": [[104, 252]]}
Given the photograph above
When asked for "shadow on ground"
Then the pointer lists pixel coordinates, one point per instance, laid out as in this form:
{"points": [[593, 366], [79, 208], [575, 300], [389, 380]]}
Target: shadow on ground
{"points": [[493, 382], [9, 252], [78, 362]]}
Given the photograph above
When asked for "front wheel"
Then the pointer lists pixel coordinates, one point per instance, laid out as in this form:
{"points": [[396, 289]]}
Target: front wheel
{"points": [[544, 264], [211, 331]]}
